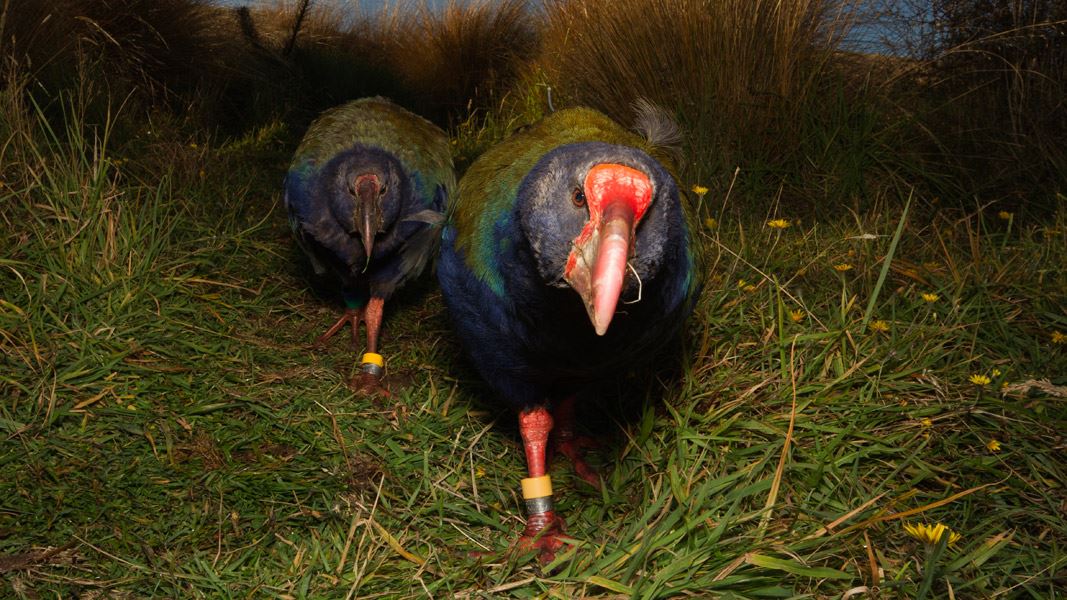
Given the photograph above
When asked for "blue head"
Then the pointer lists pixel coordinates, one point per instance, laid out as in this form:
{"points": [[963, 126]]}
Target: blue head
{"points": [[364, 187], [600, 218]]}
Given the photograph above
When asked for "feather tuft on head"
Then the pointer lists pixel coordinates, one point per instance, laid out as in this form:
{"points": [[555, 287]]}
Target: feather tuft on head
{"points": [[658, 128], [656, 124]]}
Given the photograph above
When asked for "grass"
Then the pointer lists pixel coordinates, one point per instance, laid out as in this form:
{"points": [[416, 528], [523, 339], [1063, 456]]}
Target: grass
{"points": [[167, 432]]}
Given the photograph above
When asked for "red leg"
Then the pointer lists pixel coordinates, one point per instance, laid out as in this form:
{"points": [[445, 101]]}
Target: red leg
{"points": [[368, 381], [570, 445], [543, 527], [373, 316]]}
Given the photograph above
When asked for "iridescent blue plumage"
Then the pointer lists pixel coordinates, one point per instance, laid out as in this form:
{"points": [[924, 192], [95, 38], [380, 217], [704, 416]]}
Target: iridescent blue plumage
{"points": [[566, 262], [366, 194]]}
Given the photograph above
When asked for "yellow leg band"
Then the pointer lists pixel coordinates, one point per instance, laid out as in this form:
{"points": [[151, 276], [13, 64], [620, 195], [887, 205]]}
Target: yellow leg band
{"points": [[374, 359], [536, 487]]}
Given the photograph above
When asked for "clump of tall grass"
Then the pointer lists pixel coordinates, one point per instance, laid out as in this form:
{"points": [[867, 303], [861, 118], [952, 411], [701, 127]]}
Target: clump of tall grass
{"points": [[999, 78], [464, 56], [183, 55], [438, 61], [738, 74], [83, 247]]}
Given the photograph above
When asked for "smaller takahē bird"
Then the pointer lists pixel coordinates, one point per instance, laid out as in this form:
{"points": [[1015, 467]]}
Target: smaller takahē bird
{"points": [[566, 262], [366, 194]]}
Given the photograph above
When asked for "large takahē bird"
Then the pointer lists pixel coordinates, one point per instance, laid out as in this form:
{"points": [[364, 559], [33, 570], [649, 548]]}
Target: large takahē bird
{"points": [[366, 194], [566, 262]]}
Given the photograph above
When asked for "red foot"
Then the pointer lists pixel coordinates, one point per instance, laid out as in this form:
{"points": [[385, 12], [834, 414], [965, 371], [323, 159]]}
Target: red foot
{"points": [[574, 447], [352, 316], [543, 534], [366, 384]]}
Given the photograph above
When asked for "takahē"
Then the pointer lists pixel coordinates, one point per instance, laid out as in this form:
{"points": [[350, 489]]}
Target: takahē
{"points": [[366, 194], [566, 262]]}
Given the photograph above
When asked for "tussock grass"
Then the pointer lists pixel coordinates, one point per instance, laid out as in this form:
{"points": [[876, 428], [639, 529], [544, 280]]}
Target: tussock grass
{"points": [[464, 56], [168, 53], [740, 76], [441, 62]]}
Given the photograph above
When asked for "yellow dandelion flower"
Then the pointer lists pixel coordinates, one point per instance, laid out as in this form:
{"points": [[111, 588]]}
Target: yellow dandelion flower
{"points": [[879, 326], [930, 297], [931, 534], [796, 315], [996, 372], [842, 267], [699, 190], [479, 472], [993, 446], [1004, 215], [778, 223], [979, 379], [741, 283], [710, 223], [1058, 337], [927, 422], [193, 145]]}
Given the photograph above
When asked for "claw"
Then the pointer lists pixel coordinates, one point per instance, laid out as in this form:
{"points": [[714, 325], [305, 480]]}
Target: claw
{"points": [[574, 449]]}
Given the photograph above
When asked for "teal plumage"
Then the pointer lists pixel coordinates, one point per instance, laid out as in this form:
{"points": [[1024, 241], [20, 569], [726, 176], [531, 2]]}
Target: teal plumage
{"points": [[366, 194]]}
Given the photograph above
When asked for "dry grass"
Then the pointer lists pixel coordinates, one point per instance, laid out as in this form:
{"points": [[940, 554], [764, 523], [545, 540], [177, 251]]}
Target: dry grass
{"points": [[439, 62], [465, 56], [161, 46], [731, 69]]}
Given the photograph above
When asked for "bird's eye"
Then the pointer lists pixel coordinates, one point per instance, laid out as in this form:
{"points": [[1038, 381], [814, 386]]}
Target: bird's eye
{"points": [[578, 197], [382, 191]]}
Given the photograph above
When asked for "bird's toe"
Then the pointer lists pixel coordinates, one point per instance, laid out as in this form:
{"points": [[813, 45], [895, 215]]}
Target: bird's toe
{"points": [[367, 384], [574, 449], [543, 535]]}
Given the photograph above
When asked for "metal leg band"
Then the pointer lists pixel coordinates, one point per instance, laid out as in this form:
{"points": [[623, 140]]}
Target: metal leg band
{"points": [[372, 369], [536, 506]]}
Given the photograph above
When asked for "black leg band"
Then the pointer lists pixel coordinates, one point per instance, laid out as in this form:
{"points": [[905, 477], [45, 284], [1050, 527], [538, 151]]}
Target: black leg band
{"points": [[536, 506]]}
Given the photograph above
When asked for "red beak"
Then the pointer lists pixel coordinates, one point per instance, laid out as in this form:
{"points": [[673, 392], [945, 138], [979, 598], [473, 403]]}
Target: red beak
{"points": [[617, 197]]}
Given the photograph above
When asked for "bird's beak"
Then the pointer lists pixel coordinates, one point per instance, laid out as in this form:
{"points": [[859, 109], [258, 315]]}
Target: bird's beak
{"points": [[367, 187], [617, 197]]}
